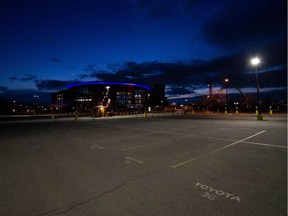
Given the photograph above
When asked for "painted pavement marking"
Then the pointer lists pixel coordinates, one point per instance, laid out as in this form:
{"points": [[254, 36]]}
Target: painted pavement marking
{"points": [[193, 135], [213, 130], [129, 159], [143, 146], [212, 193], [252, 143], [265, 144], [216, 138], [219, 149], [97, 146], [135, 147], [125, 137]]}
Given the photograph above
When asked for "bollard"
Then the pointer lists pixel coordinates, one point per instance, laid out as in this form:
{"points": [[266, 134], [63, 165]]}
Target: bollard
{"points": [[145, 114], [76, 116], [270, 110], [54, 117], [259, 117], [237, 112], [226, 110]]}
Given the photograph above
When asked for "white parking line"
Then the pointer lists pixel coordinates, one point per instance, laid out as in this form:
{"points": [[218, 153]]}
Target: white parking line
{"points": [[134, 160], [206, 137], [219, 149], [135, 147], [124, 137], [213, 130], [193, 135], [265, 144], [252, 143], [97, 146]]}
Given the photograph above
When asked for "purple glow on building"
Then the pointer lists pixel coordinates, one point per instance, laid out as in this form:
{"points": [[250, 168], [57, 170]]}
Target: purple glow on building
{"points": [[107, 83]]}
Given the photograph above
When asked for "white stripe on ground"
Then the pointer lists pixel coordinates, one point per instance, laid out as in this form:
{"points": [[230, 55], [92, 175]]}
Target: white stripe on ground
{"points": [[192, 135], [265, 144], [124, 137], [134, 160], [135, 147], [219, 149], [97, 146]]}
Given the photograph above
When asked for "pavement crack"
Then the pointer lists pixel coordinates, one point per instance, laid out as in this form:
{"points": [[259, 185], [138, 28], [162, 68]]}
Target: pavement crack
{"points": [[48, 212], [100, 195]]}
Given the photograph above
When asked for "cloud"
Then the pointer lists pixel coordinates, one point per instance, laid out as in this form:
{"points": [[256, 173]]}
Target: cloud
{"points": [[90, 71], [83, 76], [247, 23], [190, 79], [90, 68], [269, 69], [234, 67], [3, 88], [56, 60], [194, 75], [153, 9], [147, 73], [180, 90], [13, 78], [54, 85], [28, 77]]}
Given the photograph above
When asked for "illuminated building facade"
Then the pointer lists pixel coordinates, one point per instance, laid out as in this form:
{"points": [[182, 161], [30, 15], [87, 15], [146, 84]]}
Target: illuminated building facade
{"points": [[113, 96]]}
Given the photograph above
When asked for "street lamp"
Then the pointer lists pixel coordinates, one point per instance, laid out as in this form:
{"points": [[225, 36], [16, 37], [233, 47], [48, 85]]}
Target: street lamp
{"points": [[107, 96], [226, 80], [255, 62], [226, 83], [107, 90]]}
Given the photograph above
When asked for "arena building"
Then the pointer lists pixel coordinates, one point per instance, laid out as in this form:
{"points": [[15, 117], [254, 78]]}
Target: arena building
{"points": [[108, 96]]}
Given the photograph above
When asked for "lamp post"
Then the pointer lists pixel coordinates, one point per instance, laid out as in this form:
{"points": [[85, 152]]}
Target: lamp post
{"points": [[107, 100], [226, 83], [255, 62], [107, 90], [209, 97], [226, 80]]}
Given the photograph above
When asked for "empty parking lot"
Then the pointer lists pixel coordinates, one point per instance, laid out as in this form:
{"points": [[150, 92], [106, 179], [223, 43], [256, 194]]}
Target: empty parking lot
{"points": [[159, 165]]}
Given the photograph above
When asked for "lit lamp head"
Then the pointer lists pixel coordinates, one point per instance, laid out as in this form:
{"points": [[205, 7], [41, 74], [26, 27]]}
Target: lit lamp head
{"points": [[107, 90], [255, 61], [226, 80]]}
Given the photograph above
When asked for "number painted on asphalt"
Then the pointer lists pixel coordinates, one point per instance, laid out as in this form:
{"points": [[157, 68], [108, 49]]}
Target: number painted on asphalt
{"points": [[208, 196]]}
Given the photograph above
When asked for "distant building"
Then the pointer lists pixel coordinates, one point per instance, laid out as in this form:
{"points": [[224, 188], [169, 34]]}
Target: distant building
{"points": [[157, 95], [113, 96]]}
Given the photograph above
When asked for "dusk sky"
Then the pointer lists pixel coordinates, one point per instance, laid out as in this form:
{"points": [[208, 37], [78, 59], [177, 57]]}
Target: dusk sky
{"points": [[186, 44]]}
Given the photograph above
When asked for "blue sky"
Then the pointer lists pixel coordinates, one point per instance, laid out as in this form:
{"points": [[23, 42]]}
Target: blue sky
{"points": [[185, 44]]}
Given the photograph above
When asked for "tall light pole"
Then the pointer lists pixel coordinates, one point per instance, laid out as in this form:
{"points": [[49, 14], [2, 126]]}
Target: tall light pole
{"points": [[209, 97], [226, 80], [107, 96], [255, 62], [107, 90], [226, 83]]}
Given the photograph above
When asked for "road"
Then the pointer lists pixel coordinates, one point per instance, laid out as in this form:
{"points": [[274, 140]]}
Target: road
{"points": [[160, 165]]}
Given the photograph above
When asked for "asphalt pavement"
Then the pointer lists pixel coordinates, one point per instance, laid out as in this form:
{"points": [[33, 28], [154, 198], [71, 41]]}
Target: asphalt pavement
{"points": [[156, 165]]}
